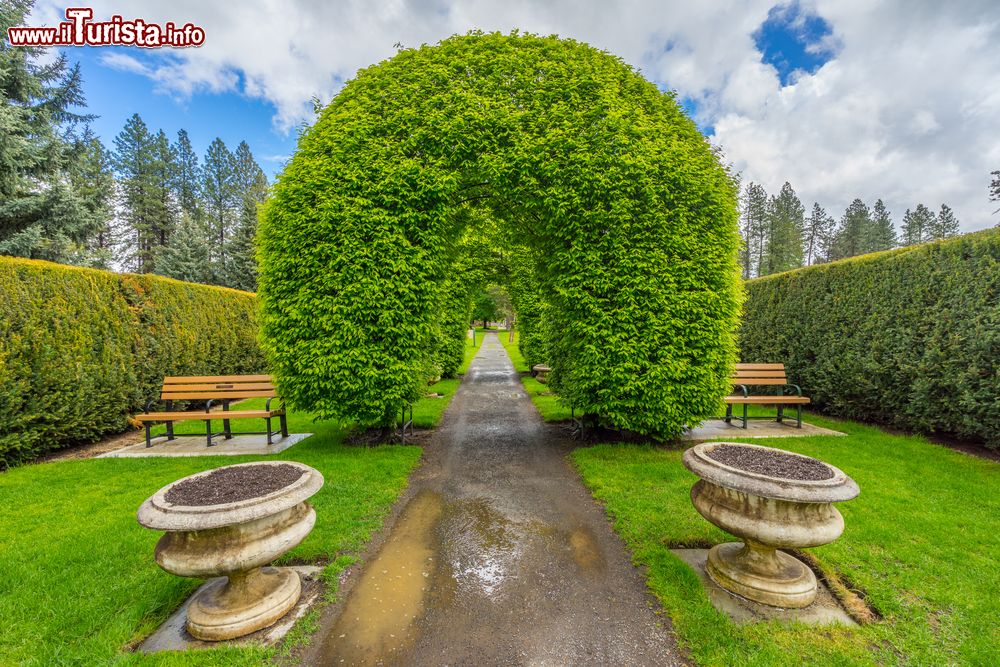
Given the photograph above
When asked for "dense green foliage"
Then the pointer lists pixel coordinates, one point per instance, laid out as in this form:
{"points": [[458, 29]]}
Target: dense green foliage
{"points": [[80, 349], [920, 545], [626, 213], [54, 194], [908, 338]]}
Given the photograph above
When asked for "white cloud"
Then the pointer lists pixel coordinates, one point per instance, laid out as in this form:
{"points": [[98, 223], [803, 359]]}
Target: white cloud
{"points": [[908, 109]]}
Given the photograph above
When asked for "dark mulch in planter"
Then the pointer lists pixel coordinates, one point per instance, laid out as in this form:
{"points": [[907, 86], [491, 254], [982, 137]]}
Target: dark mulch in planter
{"points": [[230, 485], [773, 464]]}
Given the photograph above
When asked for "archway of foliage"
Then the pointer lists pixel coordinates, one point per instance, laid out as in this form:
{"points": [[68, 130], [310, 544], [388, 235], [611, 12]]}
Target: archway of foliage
{"points": [[613, 211]]}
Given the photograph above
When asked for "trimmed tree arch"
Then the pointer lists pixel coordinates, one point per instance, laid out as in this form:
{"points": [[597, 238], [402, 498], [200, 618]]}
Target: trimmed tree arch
{"points": [[622, 219]]}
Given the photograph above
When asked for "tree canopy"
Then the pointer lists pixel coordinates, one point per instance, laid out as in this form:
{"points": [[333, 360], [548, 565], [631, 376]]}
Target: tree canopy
{"points": [[623, 217]]}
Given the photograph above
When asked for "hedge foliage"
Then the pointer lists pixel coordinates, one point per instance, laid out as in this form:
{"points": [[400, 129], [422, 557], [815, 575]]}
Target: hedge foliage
{"points": [[907, 338], [628, 218], [81, 349]]}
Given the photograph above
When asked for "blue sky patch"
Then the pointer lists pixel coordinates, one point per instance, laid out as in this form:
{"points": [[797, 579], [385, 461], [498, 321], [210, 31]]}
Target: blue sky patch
{"points": [[794, 41]]}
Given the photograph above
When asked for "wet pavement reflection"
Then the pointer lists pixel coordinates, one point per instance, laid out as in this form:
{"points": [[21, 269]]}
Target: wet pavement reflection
{"points": [[499, 556]]}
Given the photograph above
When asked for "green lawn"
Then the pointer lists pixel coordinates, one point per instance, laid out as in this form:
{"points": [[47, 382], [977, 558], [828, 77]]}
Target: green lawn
{"points": [[548, 404], [921, 543], [78, 582]]}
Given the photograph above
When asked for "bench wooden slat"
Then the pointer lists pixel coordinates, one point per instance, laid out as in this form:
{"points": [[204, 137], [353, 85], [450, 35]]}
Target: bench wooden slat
{"points": [[220, 386], [760, 367], [758, 374], [214, 416], [768, 400], [188, 379], [755, 381], [169, 394]]}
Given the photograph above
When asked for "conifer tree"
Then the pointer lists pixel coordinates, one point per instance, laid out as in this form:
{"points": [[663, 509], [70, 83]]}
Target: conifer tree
{"points": [[944, 225], [134, 149], [41, 215], [754, 229], [854, 225], [880, 234], [251, 186], [817, 233], [92, 178], [917, 225], [220, 197], [187, 256], [187, 177], [785, 221]]}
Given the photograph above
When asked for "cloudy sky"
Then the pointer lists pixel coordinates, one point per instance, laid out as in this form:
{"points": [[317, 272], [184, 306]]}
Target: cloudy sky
{"points": [[898, 99]]}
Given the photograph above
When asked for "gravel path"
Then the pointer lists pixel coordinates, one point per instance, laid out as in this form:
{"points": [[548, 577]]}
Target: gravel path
{"points": [[497, 554]]}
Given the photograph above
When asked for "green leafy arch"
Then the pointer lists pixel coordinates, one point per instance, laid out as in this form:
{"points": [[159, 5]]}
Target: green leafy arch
{"points": [[618, 214]]}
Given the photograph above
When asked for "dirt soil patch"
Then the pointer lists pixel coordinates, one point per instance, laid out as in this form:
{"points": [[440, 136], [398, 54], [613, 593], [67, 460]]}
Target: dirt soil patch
{"points": [[233, 484], [772, 464]]}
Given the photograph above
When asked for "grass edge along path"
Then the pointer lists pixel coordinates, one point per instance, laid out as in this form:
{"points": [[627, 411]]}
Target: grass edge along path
{"points": [[79, 582], [920, 543], [548, 404]]}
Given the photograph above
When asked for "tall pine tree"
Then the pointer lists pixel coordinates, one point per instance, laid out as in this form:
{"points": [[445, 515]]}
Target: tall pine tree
{"points": [[817, 233], [754, 229], [187, 256], [917, 225], [849, 239], [785, 221], [221, 200], [144, 165], [880, 234], [42, 215], [251, 186], [187, 177], [945, 224]]}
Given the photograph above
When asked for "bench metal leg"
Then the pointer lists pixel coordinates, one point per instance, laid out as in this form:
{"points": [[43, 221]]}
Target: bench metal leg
{"points": [[225, 422], [284, 425], [781, 413], [729, 413], [268, 420], [208, 431], [170, 431], [149, 442], [798, 416], [745, 421]]}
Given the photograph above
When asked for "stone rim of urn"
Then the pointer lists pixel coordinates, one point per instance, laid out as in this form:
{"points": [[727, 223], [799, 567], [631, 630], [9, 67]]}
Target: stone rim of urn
{"points": [[769, 512], [235, 540]]}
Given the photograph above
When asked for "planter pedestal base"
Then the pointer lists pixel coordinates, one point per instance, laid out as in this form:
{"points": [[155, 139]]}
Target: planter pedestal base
{"points": [[762, 574], [243, 603]]}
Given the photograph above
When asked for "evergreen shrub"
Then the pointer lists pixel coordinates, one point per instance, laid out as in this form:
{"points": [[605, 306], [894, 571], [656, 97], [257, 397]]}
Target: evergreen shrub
{"points": [[907, 338], [626, 211], [82, 349]]}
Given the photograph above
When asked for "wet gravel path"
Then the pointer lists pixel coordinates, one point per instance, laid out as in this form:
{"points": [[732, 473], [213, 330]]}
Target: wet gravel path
{"points": [[497, 554]]}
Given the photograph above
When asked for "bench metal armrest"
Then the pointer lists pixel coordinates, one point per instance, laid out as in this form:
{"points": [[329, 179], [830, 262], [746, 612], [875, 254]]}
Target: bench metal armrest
{"points": [[743, 387], [208, 405], [150, 403], [798, 389], [281, 403]]}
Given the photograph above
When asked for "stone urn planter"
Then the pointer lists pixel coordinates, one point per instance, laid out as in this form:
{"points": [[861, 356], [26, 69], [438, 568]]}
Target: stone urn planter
{"points": [[772, 499], [232, 521]]}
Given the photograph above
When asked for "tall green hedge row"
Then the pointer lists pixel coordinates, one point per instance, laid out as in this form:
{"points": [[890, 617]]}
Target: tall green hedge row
{"points": [[629, 215], [81, 349], [908, 338]]}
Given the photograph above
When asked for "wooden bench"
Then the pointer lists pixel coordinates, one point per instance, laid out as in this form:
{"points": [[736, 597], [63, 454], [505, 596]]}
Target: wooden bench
{"points": [[753, 375], [215, 390]]}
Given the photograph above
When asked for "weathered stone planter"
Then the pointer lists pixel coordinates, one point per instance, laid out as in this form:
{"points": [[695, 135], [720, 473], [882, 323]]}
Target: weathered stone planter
{"points": [[752, 492], [235, 538]]}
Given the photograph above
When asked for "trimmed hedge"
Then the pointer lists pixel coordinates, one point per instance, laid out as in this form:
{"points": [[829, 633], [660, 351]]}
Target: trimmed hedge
{"points": [[629, 216], [82, 349], [907, 338]]}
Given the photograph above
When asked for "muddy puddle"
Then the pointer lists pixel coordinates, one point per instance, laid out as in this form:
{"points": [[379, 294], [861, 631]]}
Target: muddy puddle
{"points": [[445, 554]]}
